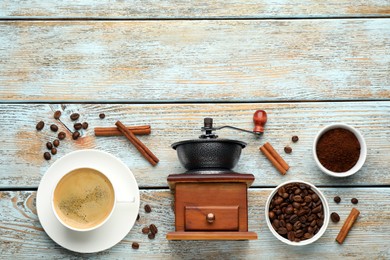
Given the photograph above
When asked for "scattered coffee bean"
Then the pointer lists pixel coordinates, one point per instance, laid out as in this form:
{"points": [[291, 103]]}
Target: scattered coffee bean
{"points": [[56, 142], [53, 128], [147, 208], [40, 125], [153, 229], [295, 138], [151, 236], [145, 230], [337, 199], [299, 214], [135, 245], [335, 217], [61, 135], [57, 114], [354, 201], [49, 145], [74, 116], [287, 149], [77, 126], [76, 135], [138, 217], [47, 156], [53, 151], [85, 125], [102, 115]]}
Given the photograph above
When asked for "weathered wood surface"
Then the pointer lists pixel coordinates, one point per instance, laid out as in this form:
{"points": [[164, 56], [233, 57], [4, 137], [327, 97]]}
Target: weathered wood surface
{"points": [[21, 234], [192, 9], [22, 147], [148, 61]]}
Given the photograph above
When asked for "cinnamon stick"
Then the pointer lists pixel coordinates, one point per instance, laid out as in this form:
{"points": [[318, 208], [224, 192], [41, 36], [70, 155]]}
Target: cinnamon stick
{"points": [[277, 157], [347, 225], [274, 162], [138, 144], [113, 131]]}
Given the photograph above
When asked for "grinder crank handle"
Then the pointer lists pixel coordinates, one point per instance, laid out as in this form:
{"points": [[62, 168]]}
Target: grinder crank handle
{"points": [[259, 119]]}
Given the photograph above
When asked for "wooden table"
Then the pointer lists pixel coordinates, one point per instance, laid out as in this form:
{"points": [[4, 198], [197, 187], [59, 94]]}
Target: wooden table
{"points": [[171, 63]]}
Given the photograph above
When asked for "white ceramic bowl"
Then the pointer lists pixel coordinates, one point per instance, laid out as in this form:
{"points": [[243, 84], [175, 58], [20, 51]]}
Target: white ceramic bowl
{"points": [[363, 150], [322, 230]]}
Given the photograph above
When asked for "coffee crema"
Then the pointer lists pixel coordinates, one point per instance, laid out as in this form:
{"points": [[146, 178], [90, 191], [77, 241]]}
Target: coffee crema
{"points": [[83, 198]]}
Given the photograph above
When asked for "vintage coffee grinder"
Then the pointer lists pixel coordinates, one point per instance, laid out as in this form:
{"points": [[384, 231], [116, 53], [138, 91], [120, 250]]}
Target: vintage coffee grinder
{"points": [[211, 201]]}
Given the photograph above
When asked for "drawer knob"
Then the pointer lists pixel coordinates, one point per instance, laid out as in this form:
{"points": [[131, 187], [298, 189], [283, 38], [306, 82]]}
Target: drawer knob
{"points": [[210, 217]]}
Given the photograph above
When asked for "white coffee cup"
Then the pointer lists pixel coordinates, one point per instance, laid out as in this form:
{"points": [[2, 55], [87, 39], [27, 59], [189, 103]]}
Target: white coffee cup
{"points": [[84, 199]]}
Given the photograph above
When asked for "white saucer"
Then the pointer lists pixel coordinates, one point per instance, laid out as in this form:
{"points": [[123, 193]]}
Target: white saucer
{"points": [[122, 219]]}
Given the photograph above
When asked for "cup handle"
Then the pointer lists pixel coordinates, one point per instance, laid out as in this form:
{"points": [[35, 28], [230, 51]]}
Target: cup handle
{"points": [[123, 200]]}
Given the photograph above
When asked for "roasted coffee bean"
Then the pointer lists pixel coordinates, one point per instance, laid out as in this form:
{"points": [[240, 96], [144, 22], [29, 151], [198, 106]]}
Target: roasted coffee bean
{"points": [[40, 125], [289, 209], [282, 231], [278, 201], [291, 236], [295, 138], [313, 223], [151, 236], [299, 233], [289, 227], [53, 151], [282, 223], [271, 215], [297, 225], [297, 191], [296, 205], [47, 156], [281, 191], [57, 114], [335, 217], [147, 208], [49, 145], [135, 245], [77, 126], [74, 116], [102, 115], [317, 209], [53, 128], [76, 135], [56, 142], [153, 229], [275, 223], [354, 201], [287, 149], [297, 198], [293, 219], [308, 235], [307, 199], [61, 135], [145, 230], [337, 199], [85, 125], [315, 197]]}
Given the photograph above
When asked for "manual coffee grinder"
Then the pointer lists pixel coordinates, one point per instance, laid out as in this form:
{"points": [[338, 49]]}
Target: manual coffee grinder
{"points": [[211, 200]]}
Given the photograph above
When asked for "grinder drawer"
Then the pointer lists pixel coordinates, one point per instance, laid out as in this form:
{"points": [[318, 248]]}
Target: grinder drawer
{"points": [[223, 218]]}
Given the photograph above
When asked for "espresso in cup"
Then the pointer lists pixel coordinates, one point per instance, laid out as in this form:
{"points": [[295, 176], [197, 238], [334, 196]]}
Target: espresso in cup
{"points": [[83, 199]]}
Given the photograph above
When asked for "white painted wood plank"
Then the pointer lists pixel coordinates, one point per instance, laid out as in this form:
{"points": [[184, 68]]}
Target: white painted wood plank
{"points": [[21, 234], [149, 61], [22, 147], [192, 9]]}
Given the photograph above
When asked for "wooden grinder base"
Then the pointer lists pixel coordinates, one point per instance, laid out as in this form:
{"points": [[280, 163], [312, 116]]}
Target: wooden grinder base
{"points": [[211, 206]]}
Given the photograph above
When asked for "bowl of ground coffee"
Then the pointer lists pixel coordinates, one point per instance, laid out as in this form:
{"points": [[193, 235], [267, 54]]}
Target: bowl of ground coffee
{"points": [[339, 150], [297, 213]]}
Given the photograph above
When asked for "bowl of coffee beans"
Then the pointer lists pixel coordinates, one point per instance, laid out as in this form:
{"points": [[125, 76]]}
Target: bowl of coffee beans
{"points": [[339, 150], [297, 213]]}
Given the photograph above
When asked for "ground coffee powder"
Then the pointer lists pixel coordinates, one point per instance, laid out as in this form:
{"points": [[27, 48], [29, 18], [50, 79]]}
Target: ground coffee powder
{"points": [[338, 150]]}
